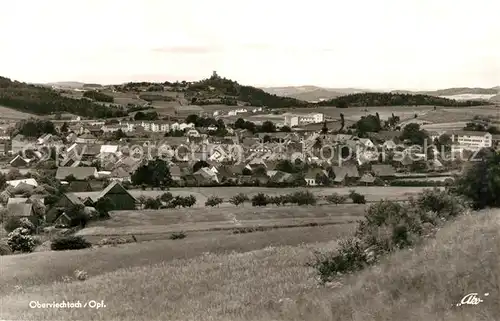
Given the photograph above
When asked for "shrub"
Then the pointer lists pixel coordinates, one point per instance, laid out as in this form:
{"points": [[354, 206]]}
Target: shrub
{"points": [[177, 235], [12, 223], [152, 203], [303, 198], [113, 241], [357, 198], [260, 200], [20, 240], [213, 201], [350, 257], [238, 199], [189, 201], [69, 243], [81, 275], [5, 249], [276, 200], [443, 204], [166, 197], [336, 199]]}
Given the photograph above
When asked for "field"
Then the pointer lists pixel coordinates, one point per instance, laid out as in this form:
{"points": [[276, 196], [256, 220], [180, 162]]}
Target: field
{"points": [[11, 114], [148, 282], [372, 193], [215, 219]]}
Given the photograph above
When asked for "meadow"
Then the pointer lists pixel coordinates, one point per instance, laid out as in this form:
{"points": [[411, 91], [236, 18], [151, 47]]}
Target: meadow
{"points": [[372, 193], [166, 221], [270, 283], [11, 114]]}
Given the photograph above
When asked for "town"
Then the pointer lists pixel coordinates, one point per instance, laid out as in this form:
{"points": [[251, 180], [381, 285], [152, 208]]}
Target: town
{"points": [[52, 166]]}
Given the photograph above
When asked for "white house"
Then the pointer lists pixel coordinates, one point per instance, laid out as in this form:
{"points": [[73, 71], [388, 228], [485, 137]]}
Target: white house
{"points": [[183, 126], [28, 181], [193, 133], [472, 139], [302, 119]]}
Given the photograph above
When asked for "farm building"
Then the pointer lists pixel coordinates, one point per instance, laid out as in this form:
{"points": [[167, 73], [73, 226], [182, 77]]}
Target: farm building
{"points": [[120, 197]]}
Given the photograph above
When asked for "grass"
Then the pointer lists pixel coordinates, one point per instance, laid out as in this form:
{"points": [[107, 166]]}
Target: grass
{"points": [[53, 266], [273, 283], [11, 114], [372, 193], [214, 219]]}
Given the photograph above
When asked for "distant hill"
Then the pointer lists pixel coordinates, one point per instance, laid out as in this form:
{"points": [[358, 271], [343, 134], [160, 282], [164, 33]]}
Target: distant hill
{"points": [[495, 98], [42, 100], [461, 91], [312, 93], [214, 91], [66, 84], [315, 93], [396, 99]]}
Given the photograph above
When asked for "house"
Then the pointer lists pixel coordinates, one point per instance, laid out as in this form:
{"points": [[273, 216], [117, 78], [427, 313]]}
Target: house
{"points": [[205, 176], [17, 200], [28, 181], [345, 172], [389, 145], [120, 197], [279, 177], [120, 174], [22, 210], [383, 171], [86, 139], [20, 161], [80, 173], [65, 201], [367, 179], [316, 176], [192, 133], [79, 186]]}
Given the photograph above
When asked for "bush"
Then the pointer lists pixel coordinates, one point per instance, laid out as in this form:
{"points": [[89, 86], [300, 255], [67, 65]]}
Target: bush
{"points": [[5, 249], [357, 198], [336, 199], [177, 235], [350, 257], [113, 241], [260, 200], [443, 204], [152, 204], [213, 201], [12, 223], [69, 243], [180, 201], [166, 197], [20, 240], [238, 199], [303, 198], [388, 226], [276, 200], [424, 183]]}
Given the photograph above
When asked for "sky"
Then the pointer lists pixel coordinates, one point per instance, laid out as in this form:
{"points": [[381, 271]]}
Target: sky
{"points": [[372, 44]]}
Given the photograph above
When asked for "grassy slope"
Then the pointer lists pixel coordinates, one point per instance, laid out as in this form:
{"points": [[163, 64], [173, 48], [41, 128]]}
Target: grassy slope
{"points": [[9, 113], [274, 284]]}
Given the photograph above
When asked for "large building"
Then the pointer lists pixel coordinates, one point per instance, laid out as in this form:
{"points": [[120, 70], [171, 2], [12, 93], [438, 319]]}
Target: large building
{"points": [[472, 139], [292, 119]]}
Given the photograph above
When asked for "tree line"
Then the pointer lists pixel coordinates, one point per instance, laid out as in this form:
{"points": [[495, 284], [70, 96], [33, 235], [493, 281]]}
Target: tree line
{"points": [[393, 99]]}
